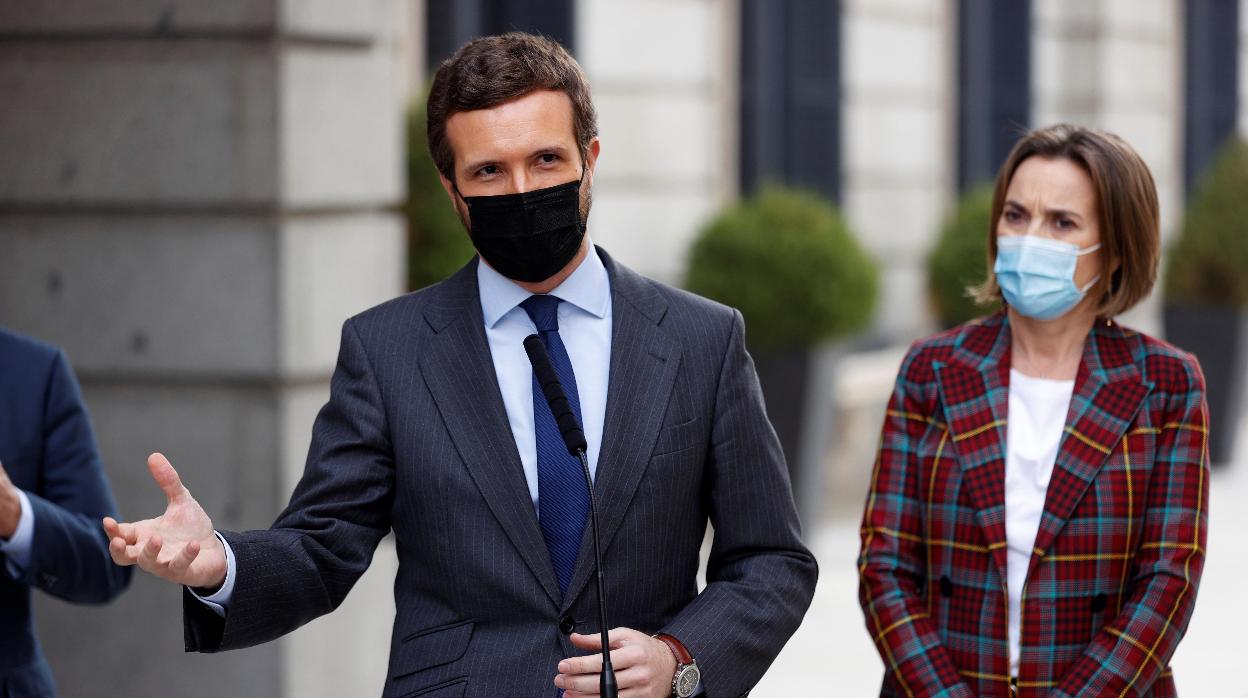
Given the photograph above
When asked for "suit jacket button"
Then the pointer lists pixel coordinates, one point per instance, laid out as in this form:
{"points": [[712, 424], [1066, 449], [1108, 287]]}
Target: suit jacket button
{"points": [[46, 580], [567, 624], [1098, 603], [946, 587]]}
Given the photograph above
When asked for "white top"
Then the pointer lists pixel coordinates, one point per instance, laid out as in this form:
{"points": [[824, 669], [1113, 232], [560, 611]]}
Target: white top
{"points": [[1037, 418]]}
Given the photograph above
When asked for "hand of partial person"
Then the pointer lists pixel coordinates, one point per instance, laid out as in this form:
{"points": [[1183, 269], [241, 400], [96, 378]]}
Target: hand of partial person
{"points": [[10, 506], [644, 666], [179, 545]]}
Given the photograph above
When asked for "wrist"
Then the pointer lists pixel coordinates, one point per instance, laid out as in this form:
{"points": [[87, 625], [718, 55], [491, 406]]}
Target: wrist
{"points": [[216, 579], [10, 511], [686, 677]]}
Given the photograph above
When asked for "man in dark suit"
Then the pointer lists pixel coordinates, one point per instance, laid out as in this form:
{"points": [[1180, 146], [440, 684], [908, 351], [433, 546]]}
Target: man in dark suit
{"points": [[434, 430], [52, 493]]}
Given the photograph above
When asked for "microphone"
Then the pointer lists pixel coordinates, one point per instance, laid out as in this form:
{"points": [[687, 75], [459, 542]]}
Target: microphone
{"points": [[574, 438]]}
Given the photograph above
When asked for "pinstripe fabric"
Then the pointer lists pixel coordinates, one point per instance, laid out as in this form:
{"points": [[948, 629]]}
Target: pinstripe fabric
{"points": [[1117, 560], [415, 439]]}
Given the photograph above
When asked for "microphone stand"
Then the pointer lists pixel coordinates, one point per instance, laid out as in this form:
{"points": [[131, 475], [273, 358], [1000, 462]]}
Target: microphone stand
{"points": [[606, 680], [574, 439]]}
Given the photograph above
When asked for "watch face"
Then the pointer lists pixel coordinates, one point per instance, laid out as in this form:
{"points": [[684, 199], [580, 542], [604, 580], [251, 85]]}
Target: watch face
{"points": [[687, 680]]}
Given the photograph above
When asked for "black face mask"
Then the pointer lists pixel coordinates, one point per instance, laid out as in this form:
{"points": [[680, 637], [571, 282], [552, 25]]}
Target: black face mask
{"points": [[528, 236]]}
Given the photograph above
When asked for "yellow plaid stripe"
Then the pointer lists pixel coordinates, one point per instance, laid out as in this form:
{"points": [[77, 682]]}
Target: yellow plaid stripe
{"points": [[1075, 433], [979, 430], [943, 542]]}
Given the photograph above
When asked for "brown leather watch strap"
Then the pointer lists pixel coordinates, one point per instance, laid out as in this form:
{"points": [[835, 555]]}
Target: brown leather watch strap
{"points": [[683, 658]]}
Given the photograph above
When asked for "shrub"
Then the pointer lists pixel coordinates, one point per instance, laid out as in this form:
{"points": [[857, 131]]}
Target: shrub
{"points": [[438, 245], [1208, 264], [789, 263], [958, 259]]}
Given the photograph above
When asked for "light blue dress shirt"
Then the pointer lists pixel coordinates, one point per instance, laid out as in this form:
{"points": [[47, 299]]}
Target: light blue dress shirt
{"points": [[17, 548], [584, 326]]}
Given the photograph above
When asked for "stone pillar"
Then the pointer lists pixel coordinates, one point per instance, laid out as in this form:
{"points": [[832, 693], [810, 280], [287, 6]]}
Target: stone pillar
{"points": [[663, 74], [193, 197], [898, 145], [1243, 68], [1118, 66]]}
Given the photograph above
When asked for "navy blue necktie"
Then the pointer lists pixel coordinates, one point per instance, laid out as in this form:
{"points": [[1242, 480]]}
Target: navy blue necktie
{"points": [[562, 498]]}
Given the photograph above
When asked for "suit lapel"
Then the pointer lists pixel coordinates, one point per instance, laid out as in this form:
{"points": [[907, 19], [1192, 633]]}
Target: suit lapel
{"points": [[1108, 393], [644, 362], [459, 371], [974, 392]]}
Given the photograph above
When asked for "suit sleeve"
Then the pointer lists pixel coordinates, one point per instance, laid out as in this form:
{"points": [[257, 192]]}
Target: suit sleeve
{"points": [[69, 551], [304, 565], [890, 565], [1128, 655], [760, 577]]}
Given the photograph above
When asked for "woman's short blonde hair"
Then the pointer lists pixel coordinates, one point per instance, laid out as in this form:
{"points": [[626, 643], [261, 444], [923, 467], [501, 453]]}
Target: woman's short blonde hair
{"points": [[1128, 212]]}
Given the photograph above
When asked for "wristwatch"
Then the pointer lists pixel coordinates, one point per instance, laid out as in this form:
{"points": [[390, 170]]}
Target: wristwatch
{"points": [[687, 676]]}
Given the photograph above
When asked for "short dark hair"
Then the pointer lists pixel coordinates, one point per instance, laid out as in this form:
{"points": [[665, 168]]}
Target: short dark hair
{"points": [[491, 70], [1126, 199]]}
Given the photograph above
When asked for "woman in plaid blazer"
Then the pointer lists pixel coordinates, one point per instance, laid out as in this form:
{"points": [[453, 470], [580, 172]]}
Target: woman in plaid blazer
{"points": [[1118, 548]]}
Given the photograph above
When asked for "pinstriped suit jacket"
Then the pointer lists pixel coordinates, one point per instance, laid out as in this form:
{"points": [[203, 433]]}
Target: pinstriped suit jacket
{"points": [[415, 439], [1118, 556]]}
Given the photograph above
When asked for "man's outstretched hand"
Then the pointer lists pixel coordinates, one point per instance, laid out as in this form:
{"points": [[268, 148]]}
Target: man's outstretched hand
{"points": [[179, 545]]}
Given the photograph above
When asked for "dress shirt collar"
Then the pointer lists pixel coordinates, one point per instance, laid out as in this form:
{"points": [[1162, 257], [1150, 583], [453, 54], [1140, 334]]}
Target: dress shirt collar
{"points": [[588, 288]]}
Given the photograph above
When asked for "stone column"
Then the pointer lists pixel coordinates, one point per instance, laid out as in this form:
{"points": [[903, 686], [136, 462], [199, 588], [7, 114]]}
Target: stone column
{"points": [[1118, 66], [1243, 68], [899, 169], [193, 197], [663, 74]]}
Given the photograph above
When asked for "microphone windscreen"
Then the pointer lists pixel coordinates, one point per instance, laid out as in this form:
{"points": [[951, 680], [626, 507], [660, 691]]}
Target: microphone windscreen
{"points": [[552, 390]]}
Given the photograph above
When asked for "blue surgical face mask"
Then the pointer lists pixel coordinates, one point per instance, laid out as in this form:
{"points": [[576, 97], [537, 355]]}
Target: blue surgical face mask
{"points": [[1037, 275]]}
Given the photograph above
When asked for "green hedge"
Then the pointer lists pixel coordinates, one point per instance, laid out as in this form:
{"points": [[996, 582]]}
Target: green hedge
{"points": [[438, 245], [789, 263], [1208, 265], [958, 260]]}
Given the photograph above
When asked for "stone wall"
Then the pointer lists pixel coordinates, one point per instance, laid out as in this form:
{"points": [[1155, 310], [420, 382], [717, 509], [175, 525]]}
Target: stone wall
{"points": [[193, 197]]}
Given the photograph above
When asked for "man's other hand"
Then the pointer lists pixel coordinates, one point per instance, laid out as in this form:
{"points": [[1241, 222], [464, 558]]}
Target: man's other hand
{"points": [[180, 545], [644, 666]]}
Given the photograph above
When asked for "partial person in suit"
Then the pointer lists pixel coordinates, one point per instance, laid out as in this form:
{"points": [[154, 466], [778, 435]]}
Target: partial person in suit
{"points": [[1037, 517], [52, 495], [433, 430]]}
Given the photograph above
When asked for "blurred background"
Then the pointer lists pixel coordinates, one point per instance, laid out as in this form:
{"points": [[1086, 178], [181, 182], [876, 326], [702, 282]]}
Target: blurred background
{"points": [[194, 196]]}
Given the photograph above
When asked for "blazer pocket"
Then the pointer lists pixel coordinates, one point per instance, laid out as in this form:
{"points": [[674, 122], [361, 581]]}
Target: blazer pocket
{"points": [[447, 689], [431, 648], [678, 437]]}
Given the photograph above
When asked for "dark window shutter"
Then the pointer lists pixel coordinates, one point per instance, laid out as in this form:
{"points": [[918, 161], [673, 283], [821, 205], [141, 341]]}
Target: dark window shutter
{"points": [[450, 24], [1212, 77], [790, 94], [994, 84]]}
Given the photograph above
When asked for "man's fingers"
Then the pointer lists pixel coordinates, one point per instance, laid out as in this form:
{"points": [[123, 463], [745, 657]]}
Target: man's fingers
{"points": [[129, 533], [183, 560], [125, 531], [163, 473], [589, 664], [618, 637], [117, 549], [586, 642], [149, 554]]}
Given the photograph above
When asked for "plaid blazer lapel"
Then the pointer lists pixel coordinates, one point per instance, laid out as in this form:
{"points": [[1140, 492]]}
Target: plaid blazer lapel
{"points": [[1107, 396], [974, 393]]}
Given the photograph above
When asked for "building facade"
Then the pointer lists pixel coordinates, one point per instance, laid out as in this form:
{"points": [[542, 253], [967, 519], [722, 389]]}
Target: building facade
{"points": [[193, 197]]}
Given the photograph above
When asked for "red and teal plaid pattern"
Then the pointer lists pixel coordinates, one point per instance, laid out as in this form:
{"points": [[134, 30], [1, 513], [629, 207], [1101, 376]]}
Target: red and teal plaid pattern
{"points": [[1121, 545]]}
